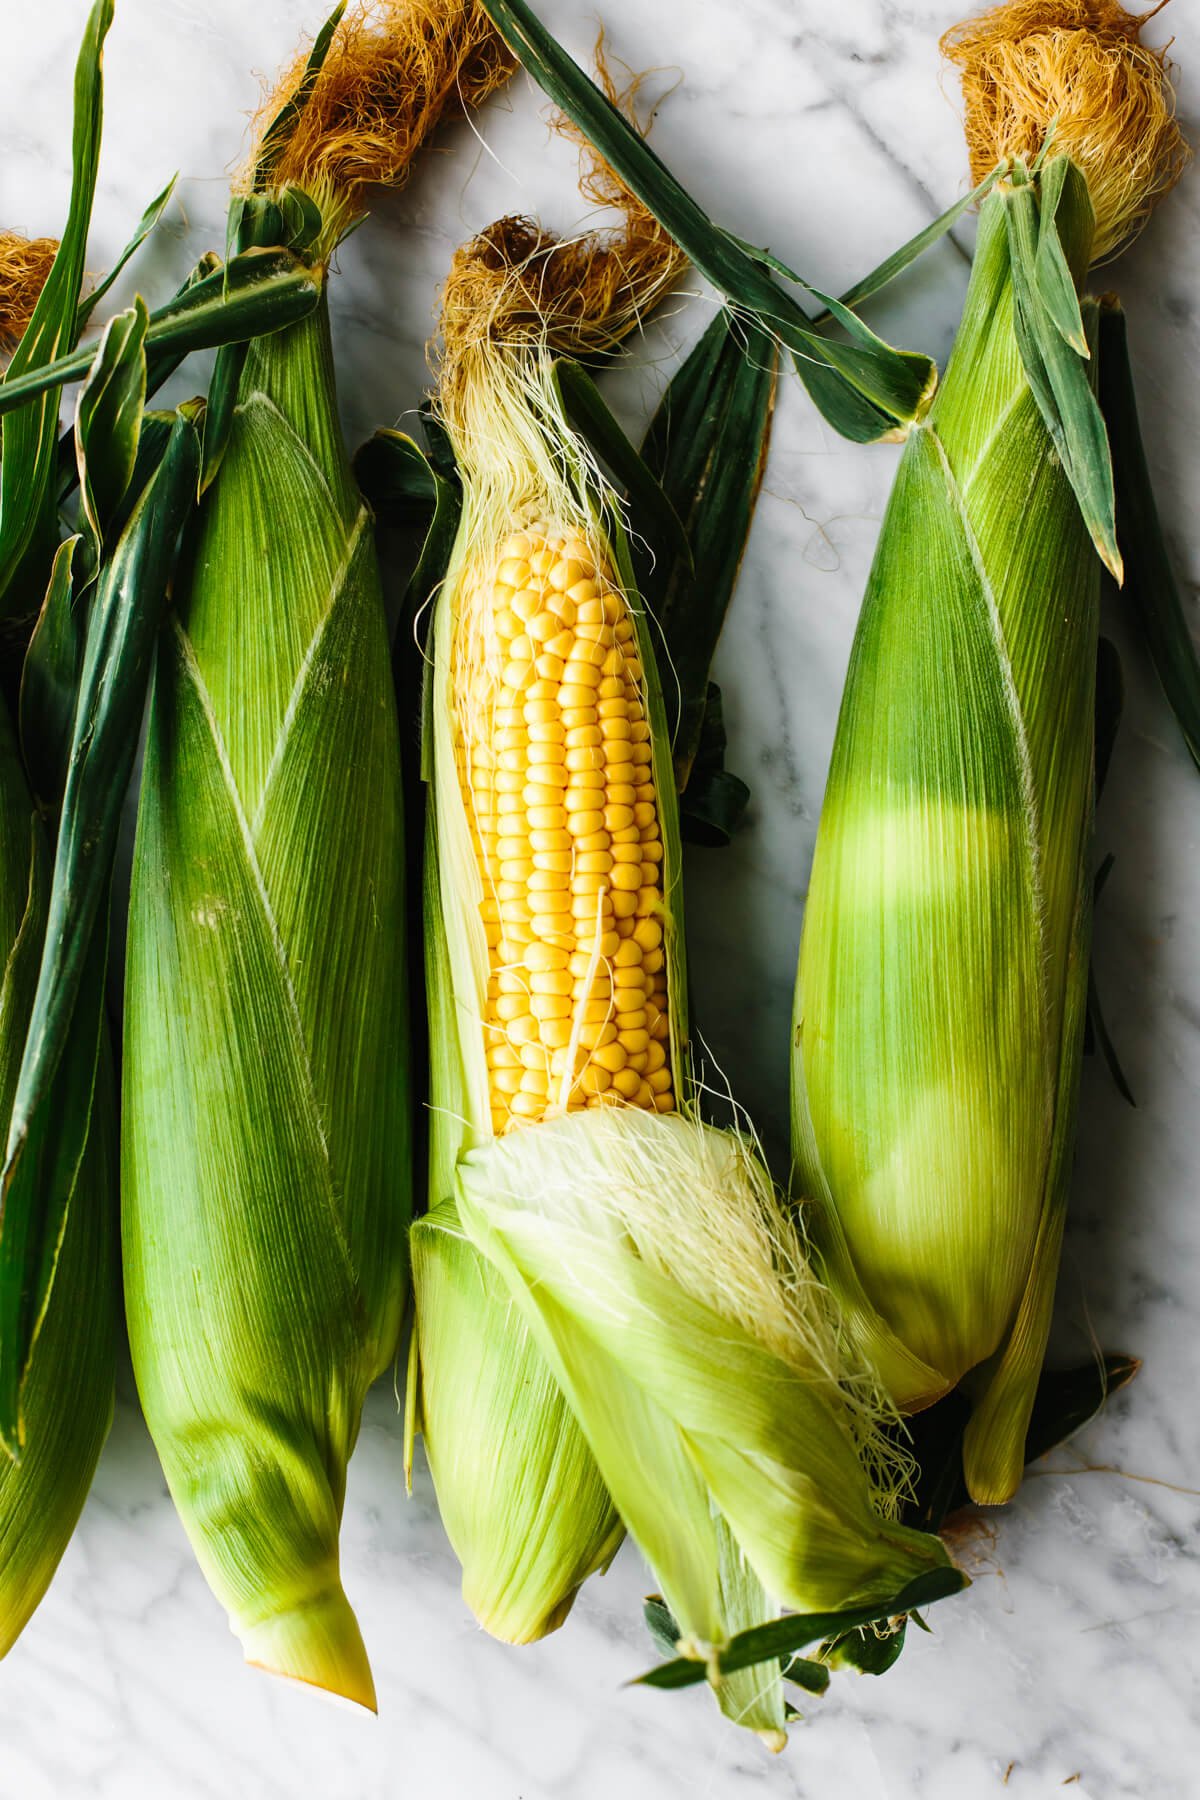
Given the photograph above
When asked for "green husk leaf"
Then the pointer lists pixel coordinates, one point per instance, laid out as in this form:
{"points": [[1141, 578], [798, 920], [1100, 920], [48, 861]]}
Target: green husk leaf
{"points": [[50, 680], [108, 423], [1056, 372], [908, 253], [145, 226], [1110, 704], [866, 390], [120, 639], [28, 525], [259, 292], [1052, 274], [795, 1631], [1150, 588], [870, 1652], [661, 1624], [584, 408], [275, 137], [160, 366], [1066, 1400], [714, 802], [813, 1677], [707, 446]]}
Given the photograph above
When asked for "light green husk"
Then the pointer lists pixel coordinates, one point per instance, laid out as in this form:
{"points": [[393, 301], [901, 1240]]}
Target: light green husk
{"points": [[943, 969], [266, 1109], [69, 1396], [644, 1257], [266, 1119]]}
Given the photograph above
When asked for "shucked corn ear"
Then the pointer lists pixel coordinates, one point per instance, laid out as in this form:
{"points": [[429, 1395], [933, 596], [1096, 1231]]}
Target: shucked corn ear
{"points": [[266, 1127], [591, 1244], [943, 969], [68, 1397]]}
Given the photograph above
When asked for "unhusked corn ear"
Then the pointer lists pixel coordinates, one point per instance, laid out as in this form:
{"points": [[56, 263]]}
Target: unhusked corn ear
{"points": [[942, 987], [555, 765]]}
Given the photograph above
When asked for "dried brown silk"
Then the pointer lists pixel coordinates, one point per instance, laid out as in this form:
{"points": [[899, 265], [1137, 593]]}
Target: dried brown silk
{"points": [[517, 283], [394, 69], [24, 265], [1077, 67]]}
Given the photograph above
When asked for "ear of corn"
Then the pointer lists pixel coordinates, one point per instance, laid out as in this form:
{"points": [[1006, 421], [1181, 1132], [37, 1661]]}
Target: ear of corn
{"points": [[265, 1123], [597, 1222], [265, 1133], [943, 970]]}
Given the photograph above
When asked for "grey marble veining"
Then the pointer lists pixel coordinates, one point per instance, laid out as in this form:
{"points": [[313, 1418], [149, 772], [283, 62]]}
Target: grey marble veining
{"points": [[1071, 1667]]}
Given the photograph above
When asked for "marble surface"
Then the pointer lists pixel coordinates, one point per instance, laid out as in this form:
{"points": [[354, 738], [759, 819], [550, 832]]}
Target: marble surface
{"points": [[829, 133]]}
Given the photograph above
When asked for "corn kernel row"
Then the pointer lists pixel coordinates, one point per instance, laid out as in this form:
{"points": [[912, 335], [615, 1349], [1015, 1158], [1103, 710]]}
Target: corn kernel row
{"points": [[556, 770]]}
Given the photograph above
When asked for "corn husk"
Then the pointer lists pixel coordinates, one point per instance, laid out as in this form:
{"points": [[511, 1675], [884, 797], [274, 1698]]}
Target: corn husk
{"points": [[644, 1257], [266, 1108], [942, 986]]}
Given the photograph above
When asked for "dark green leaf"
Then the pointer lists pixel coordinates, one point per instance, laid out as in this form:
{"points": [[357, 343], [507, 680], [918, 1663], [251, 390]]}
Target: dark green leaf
{"points": [[28, 518], [1068, 1398], [813, 1677], [1099, 1037], [398, 480], [794, 1632], [867, 1651], [865, 392], [275, 137], [1057, 374], [42, 1187], [1065, 1400], [707, 447], [1055, 283], [1110, 704], [1150, 588], [259, 292], [121, 634], [712, 805], [649, 505], [108, 421], [408, 490], [661, 1624], [49, 681], [146, 224]]}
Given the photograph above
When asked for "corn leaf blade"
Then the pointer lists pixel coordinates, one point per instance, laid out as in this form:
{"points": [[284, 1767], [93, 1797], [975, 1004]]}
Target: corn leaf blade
{"points": [[1151, 590], [1058, 376], [259, 292], [108, 422], [796, 1631], [67, 1005], [145, 226], [28, 465], [707, 447], [866, 392]]}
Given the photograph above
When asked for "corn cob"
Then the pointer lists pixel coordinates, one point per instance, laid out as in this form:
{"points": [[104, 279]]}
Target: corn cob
{"points": [[943, 968], [265, 1126], [583, 1219]]}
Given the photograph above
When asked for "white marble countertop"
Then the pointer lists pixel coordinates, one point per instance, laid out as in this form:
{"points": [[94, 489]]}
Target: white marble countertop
{"points": [[829, 133]]}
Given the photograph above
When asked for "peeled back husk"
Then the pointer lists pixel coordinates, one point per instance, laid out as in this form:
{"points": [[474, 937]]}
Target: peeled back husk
{"points": [[644, 1259]]}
